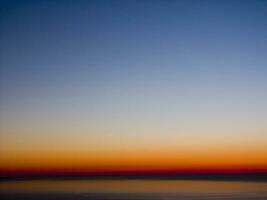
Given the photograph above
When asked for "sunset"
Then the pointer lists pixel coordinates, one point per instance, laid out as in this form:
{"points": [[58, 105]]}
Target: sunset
{"points": [[133, 89]]}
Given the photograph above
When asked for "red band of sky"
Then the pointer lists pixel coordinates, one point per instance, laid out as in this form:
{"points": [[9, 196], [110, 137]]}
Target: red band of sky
{"points": [[148, 173]]}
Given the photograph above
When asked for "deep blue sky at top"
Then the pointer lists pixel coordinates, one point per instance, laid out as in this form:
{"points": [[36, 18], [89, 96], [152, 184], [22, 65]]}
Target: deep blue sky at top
{"points": [[118, 59], [45, 39]]}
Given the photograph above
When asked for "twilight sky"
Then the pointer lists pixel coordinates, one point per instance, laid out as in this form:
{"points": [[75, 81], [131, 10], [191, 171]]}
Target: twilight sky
{"points": [[133, 84]]}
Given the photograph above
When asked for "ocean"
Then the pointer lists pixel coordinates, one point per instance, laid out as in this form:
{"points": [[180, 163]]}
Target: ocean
{"points": [[132, 190]]}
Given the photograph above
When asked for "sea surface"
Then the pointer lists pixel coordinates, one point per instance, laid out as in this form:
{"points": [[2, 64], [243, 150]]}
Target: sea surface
{"points": [[132, 190]]}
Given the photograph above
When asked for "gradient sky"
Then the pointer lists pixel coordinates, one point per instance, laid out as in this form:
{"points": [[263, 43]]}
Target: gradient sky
{"points": [[133, 84]]}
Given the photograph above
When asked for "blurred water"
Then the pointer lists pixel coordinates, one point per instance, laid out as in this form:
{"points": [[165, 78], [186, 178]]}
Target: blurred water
{"points": [[133, 190]]}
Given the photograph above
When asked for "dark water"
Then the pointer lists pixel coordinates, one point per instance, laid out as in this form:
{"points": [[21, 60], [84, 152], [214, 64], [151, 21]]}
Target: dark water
{"points": [[133, 190]]}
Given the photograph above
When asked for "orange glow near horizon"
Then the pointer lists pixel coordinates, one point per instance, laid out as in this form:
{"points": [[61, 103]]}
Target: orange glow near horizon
{"points": [[129, 162]]}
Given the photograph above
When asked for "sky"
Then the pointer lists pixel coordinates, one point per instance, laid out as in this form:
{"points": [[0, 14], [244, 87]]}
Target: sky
{"points": [[133, 85]]}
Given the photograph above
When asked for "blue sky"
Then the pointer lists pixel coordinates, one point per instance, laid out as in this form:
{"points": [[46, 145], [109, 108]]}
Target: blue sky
{"points": [[97, 72]]}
